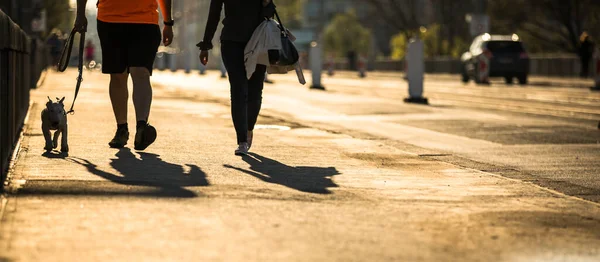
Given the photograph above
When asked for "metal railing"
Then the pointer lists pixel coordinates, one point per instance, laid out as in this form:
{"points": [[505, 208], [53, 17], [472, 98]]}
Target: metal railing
{"points": [[22, 61]]}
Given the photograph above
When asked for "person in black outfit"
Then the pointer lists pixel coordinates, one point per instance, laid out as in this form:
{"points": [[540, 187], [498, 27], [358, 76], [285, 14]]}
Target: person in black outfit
{"points": [[586, 50], [242, 17]]}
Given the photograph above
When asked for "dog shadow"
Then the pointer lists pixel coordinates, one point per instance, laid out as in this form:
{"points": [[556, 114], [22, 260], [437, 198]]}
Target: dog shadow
{"points": [[55, 154], [149, 170], [302, 178]]}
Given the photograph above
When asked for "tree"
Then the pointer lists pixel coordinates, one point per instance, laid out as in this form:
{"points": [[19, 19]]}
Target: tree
{"points": [[290, 12], [344, 34], [434, 44], [546, 25], [399, 14], [445, 18], [58, 15]]}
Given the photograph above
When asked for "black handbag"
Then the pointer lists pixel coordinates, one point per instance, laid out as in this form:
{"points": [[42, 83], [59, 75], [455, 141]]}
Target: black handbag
{"points": [[288, 54]]}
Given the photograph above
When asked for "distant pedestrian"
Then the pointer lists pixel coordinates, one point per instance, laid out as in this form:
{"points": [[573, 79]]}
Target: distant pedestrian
{"points": [[129, 37], [241, 18], [55, 44], [586, 50], [90, 49]]}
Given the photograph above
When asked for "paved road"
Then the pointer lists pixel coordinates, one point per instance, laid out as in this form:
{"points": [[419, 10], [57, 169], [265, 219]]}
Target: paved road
{"points": [[545, 132], [351, 174]]}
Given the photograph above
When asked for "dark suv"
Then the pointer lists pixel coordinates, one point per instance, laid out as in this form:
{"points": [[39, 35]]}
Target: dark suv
{"points": [[495, 56]]}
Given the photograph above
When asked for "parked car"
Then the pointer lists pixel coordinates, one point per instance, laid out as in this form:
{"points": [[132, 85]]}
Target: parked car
{"points": [[495, 56]]}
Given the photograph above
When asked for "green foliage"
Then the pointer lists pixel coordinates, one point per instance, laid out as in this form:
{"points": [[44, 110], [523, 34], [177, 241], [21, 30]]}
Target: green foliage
{"points": [[398, 45], [458, 47], [546, 25], [434, 44], [431, 41], [290, 12], [345, 33], [58, 15]]}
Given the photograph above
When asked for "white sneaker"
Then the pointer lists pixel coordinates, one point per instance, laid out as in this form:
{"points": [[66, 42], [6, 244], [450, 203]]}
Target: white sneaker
{"points": [[250, 135], [242, 149]]}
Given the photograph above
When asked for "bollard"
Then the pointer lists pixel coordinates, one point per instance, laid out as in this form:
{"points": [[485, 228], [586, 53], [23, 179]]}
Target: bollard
{"points": [[202, 69], [330, 66], [315, 57], [223, 69], [415, 67], [596, 86], [171, 60], [362, 67]]}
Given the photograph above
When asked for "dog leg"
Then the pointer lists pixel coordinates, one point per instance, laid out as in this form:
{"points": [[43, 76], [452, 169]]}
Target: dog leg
{"points": [[46, 132], [64, 147], [55, 139]]}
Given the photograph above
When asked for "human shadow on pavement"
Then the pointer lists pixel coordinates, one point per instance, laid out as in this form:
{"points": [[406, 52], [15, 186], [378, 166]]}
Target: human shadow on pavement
{"points": [[302, 178], [168, 179], [55, 154]]}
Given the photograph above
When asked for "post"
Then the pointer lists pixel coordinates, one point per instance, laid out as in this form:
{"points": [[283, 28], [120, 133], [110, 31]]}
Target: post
{"points": [[330, 66], [202, 69], [222, 67], [415, 70], [315, 54], [362, 66], [315, 57]]}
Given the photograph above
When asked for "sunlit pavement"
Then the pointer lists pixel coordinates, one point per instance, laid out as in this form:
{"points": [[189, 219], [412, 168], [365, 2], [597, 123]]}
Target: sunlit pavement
{"points": [[484, 173]]}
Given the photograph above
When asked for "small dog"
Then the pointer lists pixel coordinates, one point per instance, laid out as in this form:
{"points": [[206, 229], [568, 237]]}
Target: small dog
{"points": [[55, 118]]}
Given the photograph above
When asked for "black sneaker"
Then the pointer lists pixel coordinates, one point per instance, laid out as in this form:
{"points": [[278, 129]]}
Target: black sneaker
{"points": [[120, 139], [144, 136]]}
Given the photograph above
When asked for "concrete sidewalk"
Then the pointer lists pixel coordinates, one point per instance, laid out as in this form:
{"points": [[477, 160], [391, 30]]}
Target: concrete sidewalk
{"points": [[304, 195]]}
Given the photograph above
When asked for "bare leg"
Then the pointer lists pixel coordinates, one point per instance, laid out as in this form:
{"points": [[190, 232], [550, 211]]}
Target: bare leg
{"points": [[64, 147], [55, 139], [119, 96], [142, 92]]}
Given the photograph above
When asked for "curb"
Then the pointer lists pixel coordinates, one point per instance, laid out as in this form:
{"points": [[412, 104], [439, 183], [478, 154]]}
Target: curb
{"points": [[12, 162]]}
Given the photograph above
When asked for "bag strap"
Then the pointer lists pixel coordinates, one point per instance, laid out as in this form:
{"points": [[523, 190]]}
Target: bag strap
{"points": [[280, 23], [64, 62]]}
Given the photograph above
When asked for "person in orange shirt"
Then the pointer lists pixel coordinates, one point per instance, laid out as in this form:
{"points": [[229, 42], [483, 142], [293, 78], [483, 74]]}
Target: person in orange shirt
{"points": [[129, 38]]}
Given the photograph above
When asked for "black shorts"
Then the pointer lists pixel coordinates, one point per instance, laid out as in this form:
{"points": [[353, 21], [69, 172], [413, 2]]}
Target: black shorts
{"points": [[128, 45]]}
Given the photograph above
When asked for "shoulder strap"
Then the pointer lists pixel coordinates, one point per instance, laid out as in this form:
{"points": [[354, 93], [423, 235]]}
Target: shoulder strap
{"points": [[280, 23]]}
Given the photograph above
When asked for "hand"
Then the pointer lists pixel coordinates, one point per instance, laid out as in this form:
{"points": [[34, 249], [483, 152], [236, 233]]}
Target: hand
{"points": [[167, 35], [204, 57], [81, 24]]}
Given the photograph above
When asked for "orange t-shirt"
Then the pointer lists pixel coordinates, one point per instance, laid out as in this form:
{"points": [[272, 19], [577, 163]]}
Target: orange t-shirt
{"points": [[128, 11]]}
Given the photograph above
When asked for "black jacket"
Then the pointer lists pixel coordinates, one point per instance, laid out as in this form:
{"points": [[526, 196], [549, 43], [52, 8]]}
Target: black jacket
{"points": [[241, 19]]}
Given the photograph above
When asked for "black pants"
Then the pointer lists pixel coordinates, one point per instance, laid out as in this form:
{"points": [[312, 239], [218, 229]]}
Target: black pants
{"points": [[246, 94]]}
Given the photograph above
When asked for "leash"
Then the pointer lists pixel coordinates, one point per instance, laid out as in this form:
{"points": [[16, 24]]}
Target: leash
{"points": [[64, 62]]}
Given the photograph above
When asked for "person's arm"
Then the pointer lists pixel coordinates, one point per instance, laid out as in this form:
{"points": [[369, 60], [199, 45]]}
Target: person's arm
{"points": [[214, 16], [166, 10], [81, 21]]}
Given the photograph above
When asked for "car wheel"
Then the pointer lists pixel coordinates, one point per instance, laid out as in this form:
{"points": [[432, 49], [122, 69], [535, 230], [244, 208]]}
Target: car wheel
{"points": [[522, 79], [508, 80]]}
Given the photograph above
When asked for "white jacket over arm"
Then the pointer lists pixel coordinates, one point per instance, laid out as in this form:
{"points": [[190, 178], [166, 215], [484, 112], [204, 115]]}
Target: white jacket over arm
{"points": [[267, 36]]}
